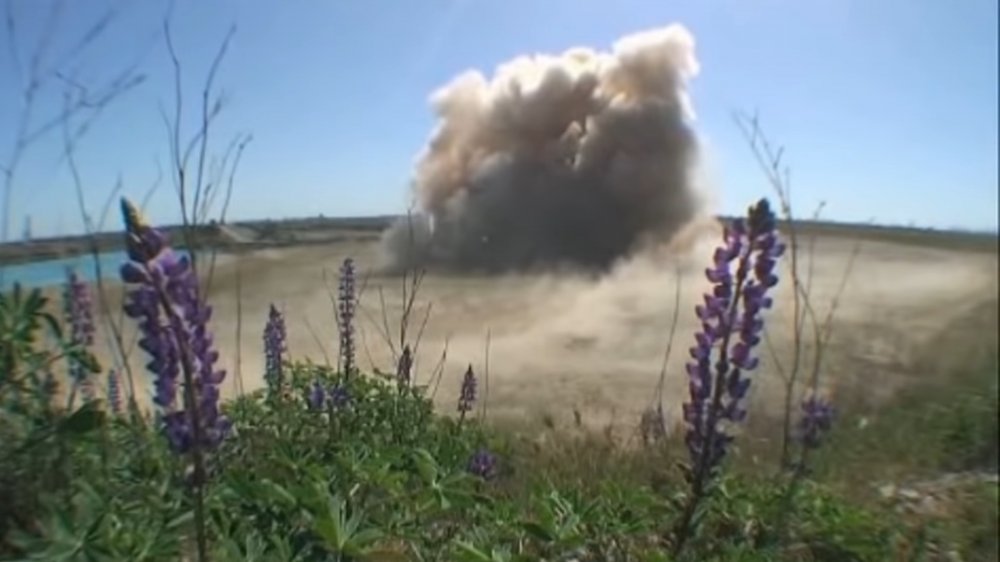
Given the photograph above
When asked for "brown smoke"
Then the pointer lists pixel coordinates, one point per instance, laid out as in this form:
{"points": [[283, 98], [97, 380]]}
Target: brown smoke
{"points": [[577, 159]]}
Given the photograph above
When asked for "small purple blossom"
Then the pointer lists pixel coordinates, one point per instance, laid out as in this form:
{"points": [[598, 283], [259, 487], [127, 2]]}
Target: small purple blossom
{"points": [[335, 396], [467, 394], [163, 296], [817, 419], [316, 397], [346, 302], [79, 317], [483, 464], [338, 395], [731, 327], [275, 347]]}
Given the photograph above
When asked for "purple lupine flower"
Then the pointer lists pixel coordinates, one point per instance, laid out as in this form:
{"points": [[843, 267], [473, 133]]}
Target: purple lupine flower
{"points": [[275, 346], [404, 368], [114, 392], [731, 327], [482, 464], [316, 397], [79, 317], [467, 395], [338, 395], [164, 297], [346, 305], [817, 419]]}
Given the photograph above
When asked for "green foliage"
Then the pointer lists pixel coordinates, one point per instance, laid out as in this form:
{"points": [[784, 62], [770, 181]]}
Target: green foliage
{"points": [[381, 477]]}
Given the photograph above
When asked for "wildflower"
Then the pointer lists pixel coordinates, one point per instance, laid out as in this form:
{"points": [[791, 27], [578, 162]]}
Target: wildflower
{"points": [[275, 346], [483, 464], [817, 419], [80, 319], [114, 392], [731, 326], [467, 395], [404, 368], [164, 297], [338, 396], [346, 304], [316, 397]]}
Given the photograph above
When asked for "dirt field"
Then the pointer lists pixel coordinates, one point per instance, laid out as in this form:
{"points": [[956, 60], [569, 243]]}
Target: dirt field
{"points": [[564, 342]]}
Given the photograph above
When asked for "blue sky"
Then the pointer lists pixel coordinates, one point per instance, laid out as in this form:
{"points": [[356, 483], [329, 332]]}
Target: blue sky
{"points": [[887, 109]]}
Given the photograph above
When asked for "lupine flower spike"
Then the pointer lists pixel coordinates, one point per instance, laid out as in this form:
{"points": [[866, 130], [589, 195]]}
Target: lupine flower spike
{"points": [[483, 464], [79, 317], [346, 305], [741, 275], [275, 347], [316, 397], [338, 395], [163, 297], [817, 419], [114, 392], [731, 327], [467, 395]]}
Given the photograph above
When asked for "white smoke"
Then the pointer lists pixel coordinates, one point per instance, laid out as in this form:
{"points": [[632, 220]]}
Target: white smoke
{"points": [[579, 158]]}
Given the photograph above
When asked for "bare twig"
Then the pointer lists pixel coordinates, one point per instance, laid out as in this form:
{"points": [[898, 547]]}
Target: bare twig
{"points": [[318, 340], [438, 373], [225, 207], [670, 342], [120, 354], [385, 324], [486, 375], [769, 161], [803, 308], [238, 360]]}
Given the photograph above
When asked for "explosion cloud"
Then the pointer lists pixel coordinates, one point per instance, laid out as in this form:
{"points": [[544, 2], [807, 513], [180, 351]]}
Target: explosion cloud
{"points": [[578, 159]]}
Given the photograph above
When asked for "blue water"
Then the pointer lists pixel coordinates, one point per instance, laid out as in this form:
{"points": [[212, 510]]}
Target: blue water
{"points": [[53, 272]]}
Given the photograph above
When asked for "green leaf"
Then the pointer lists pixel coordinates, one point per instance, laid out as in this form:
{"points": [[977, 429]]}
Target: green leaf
{"points": [[331, 532], [469, 553], [183, 520], [538, 531], [426, 466], [85, 419]]}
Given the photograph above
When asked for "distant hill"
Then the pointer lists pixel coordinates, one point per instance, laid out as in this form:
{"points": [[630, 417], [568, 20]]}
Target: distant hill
{"points": [[245, 235]]}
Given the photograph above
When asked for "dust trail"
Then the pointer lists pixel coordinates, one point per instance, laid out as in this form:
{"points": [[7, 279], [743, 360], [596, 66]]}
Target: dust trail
{"points": [[579, 158]]}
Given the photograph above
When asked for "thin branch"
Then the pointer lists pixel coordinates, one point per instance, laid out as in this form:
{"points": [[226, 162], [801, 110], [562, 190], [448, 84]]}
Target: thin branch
{"points": [[238, 370], [205, 112], [222, 217], [319, 342], [438, 373], [661, 383], [486, 375]]}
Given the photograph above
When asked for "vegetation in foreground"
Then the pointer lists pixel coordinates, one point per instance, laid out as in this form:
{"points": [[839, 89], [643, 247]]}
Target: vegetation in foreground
{"points": [[336, 465]]}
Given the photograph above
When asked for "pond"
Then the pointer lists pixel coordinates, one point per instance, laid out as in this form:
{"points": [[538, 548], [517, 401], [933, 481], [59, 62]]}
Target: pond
{"points": [[44, 273]]}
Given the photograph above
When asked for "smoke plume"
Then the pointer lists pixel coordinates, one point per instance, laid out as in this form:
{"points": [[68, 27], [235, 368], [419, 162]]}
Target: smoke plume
{"points": [[579, 158]]}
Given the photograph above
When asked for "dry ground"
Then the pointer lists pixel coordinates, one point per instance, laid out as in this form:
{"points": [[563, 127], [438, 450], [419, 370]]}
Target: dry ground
{"points": [[565, 342]]}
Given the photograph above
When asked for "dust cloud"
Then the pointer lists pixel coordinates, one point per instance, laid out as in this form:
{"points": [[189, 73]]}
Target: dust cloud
{"points": [[578, 159]]}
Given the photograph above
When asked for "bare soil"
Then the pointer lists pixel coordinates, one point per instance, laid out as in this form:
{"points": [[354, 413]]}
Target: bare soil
{"points": [[560, 342]]}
